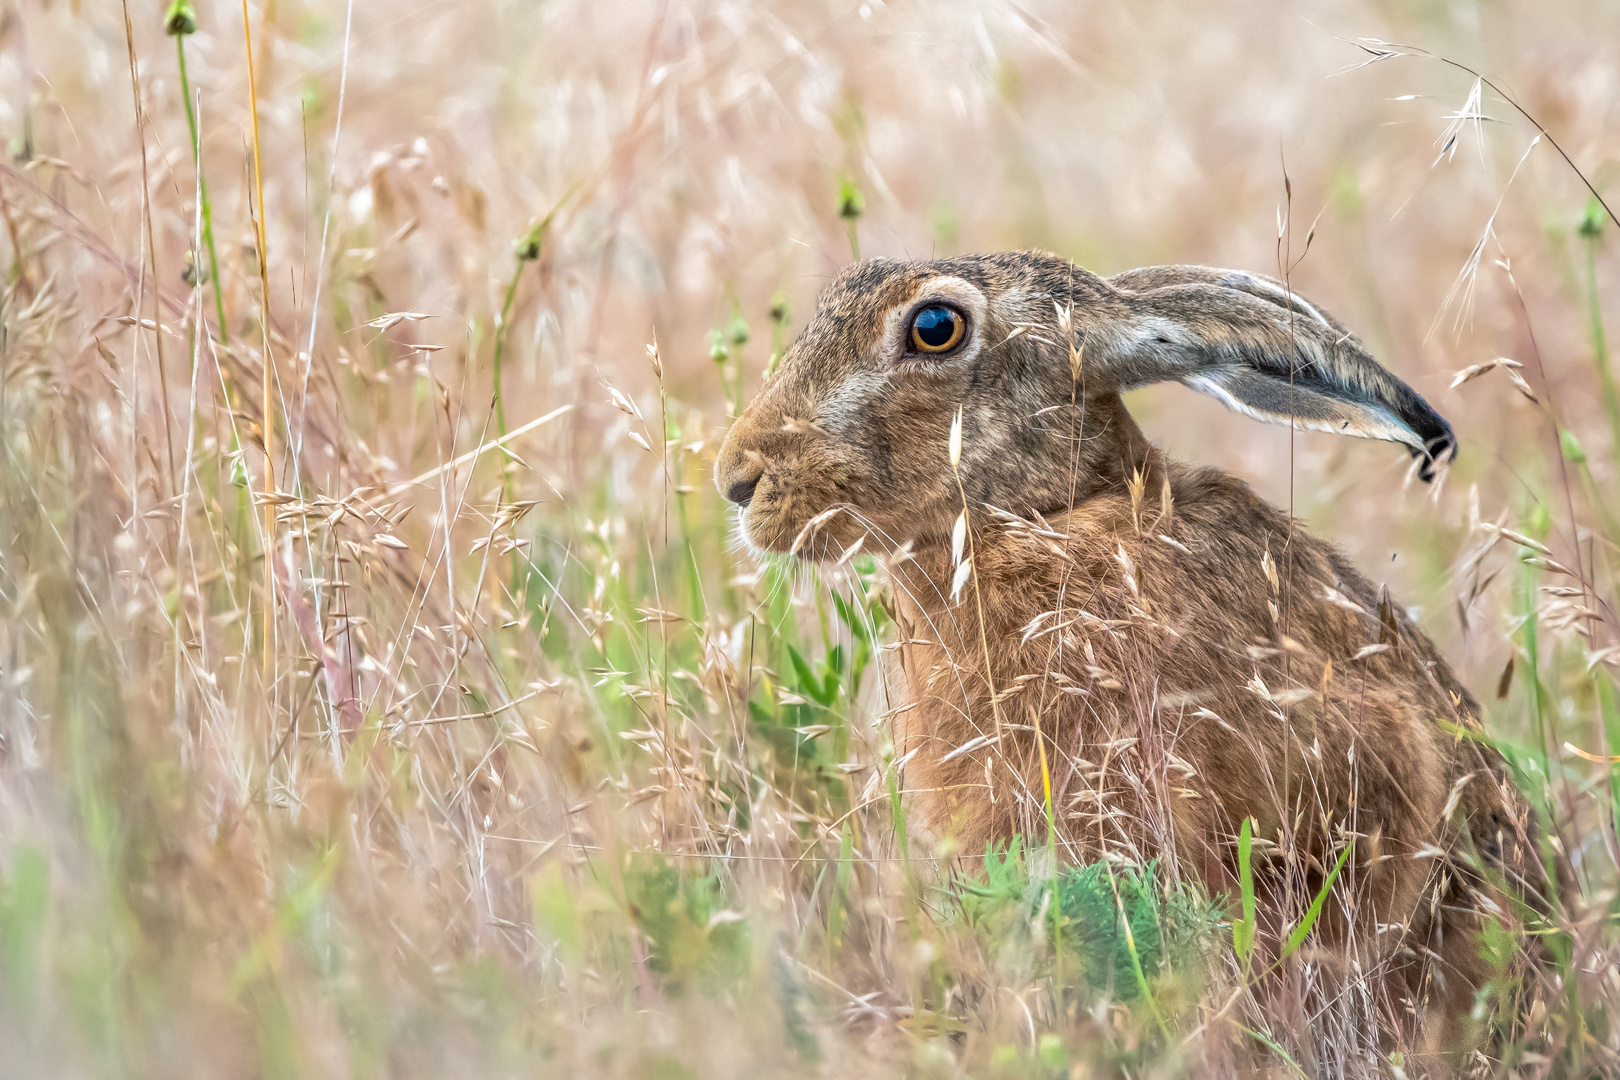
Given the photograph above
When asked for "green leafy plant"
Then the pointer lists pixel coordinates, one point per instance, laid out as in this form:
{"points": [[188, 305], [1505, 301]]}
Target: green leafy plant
{"points": [[693, 939], [1114, 921]]}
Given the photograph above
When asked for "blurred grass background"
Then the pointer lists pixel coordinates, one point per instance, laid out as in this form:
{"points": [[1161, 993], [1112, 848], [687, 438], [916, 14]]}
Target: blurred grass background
{"points": [[398, 761]]}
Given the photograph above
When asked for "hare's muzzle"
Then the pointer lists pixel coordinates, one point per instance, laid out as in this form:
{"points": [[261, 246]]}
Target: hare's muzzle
{"points": [[762, 471], [786, 476]]}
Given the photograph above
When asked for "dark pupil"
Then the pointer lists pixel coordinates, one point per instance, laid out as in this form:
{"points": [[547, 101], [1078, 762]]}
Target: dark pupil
{"points": [[935, 326]]}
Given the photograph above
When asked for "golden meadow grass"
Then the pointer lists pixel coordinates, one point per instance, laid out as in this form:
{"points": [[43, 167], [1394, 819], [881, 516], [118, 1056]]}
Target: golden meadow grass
{"points": [[429, 751]]}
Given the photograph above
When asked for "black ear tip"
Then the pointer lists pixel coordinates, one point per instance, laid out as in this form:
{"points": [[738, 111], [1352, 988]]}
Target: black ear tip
{"points": [[1438, 445], [1439, 441]]}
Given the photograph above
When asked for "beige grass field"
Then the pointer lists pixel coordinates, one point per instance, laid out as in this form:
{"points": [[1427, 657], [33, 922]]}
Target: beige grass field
{"points": [[343, 735]]}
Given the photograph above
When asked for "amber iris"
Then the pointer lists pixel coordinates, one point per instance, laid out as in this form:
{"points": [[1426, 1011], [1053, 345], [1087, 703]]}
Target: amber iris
{"points": [[936, 329]]}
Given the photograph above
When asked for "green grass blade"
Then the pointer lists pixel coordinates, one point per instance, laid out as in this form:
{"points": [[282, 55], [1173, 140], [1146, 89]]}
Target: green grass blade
{"points": [[1243, 929], [1314, 912]]}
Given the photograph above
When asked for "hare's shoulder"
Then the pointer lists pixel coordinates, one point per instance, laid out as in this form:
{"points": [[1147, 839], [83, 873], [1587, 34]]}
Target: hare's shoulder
{"points": [[1220, 564], [1211, 571], [1208, 534]]}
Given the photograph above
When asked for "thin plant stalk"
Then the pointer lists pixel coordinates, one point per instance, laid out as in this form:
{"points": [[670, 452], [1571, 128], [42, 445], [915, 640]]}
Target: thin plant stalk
{"points": [[500, 398], [1590, 230], [180, 23], [151, 256], [204, 202], [267, 408], [320, 262], [1051, 847], [955, 454], [181, 622], [500, 344], [528, 249]]}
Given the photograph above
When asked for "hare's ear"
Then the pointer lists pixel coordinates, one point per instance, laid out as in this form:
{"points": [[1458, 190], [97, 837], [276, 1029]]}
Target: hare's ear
{"points": [[1264, 351]]}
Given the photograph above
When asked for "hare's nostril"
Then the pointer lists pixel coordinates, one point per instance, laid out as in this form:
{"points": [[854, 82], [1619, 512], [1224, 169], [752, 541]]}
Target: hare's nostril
{"points": [[742, 491]]}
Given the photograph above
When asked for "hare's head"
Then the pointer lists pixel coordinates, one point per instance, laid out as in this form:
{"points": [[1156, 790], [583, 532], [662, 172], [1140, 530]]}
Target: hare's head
{"points": [[849, 439]]}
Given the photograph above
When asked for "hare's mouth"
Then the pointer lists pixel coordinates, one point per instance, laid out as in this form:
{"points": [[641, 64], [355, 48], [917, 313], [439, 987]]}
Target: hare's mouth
{"points": [[827, 536], [830, 535]]}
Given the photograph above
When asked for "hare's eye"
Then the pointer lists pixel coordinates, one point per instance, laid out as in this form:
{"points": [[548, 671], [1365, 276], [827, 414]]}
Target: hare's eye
{"points": [[936, 329]]}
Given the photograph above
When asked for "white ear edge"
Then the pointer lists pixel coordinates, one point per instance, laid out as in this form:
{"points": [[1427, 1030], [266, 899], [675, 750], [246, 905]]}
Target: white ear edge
{"points": [[1282, 297], [1370, 422]]}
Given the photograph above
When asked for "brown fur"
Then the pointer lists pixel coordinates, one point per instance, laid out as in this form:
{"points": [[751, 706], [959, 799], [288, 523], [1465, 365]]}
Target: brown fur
{"points": [[1188, 657]]}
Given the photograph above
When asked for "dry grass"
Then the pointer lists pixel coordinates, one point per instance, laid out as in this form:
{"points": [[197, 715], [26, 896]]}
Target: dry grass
{"points": [[516, 767]]}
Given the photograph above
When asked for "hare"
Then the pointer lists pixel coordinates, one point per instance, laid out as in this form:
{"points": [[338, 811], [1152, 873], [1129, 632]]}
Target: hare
{"points": [[1146, 650]]}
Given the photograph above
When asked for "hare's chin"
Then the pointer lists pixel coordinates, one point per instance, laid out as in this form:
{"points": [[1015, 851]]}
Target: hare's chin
{"points": [[810, 542], [745, 539]]}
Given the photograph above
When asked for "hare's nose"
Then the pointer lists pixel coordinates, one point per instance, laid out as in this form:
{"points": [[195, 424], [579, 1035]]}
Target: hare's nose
{"points": [[738, 470], [737, 473], [741, 491]]}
